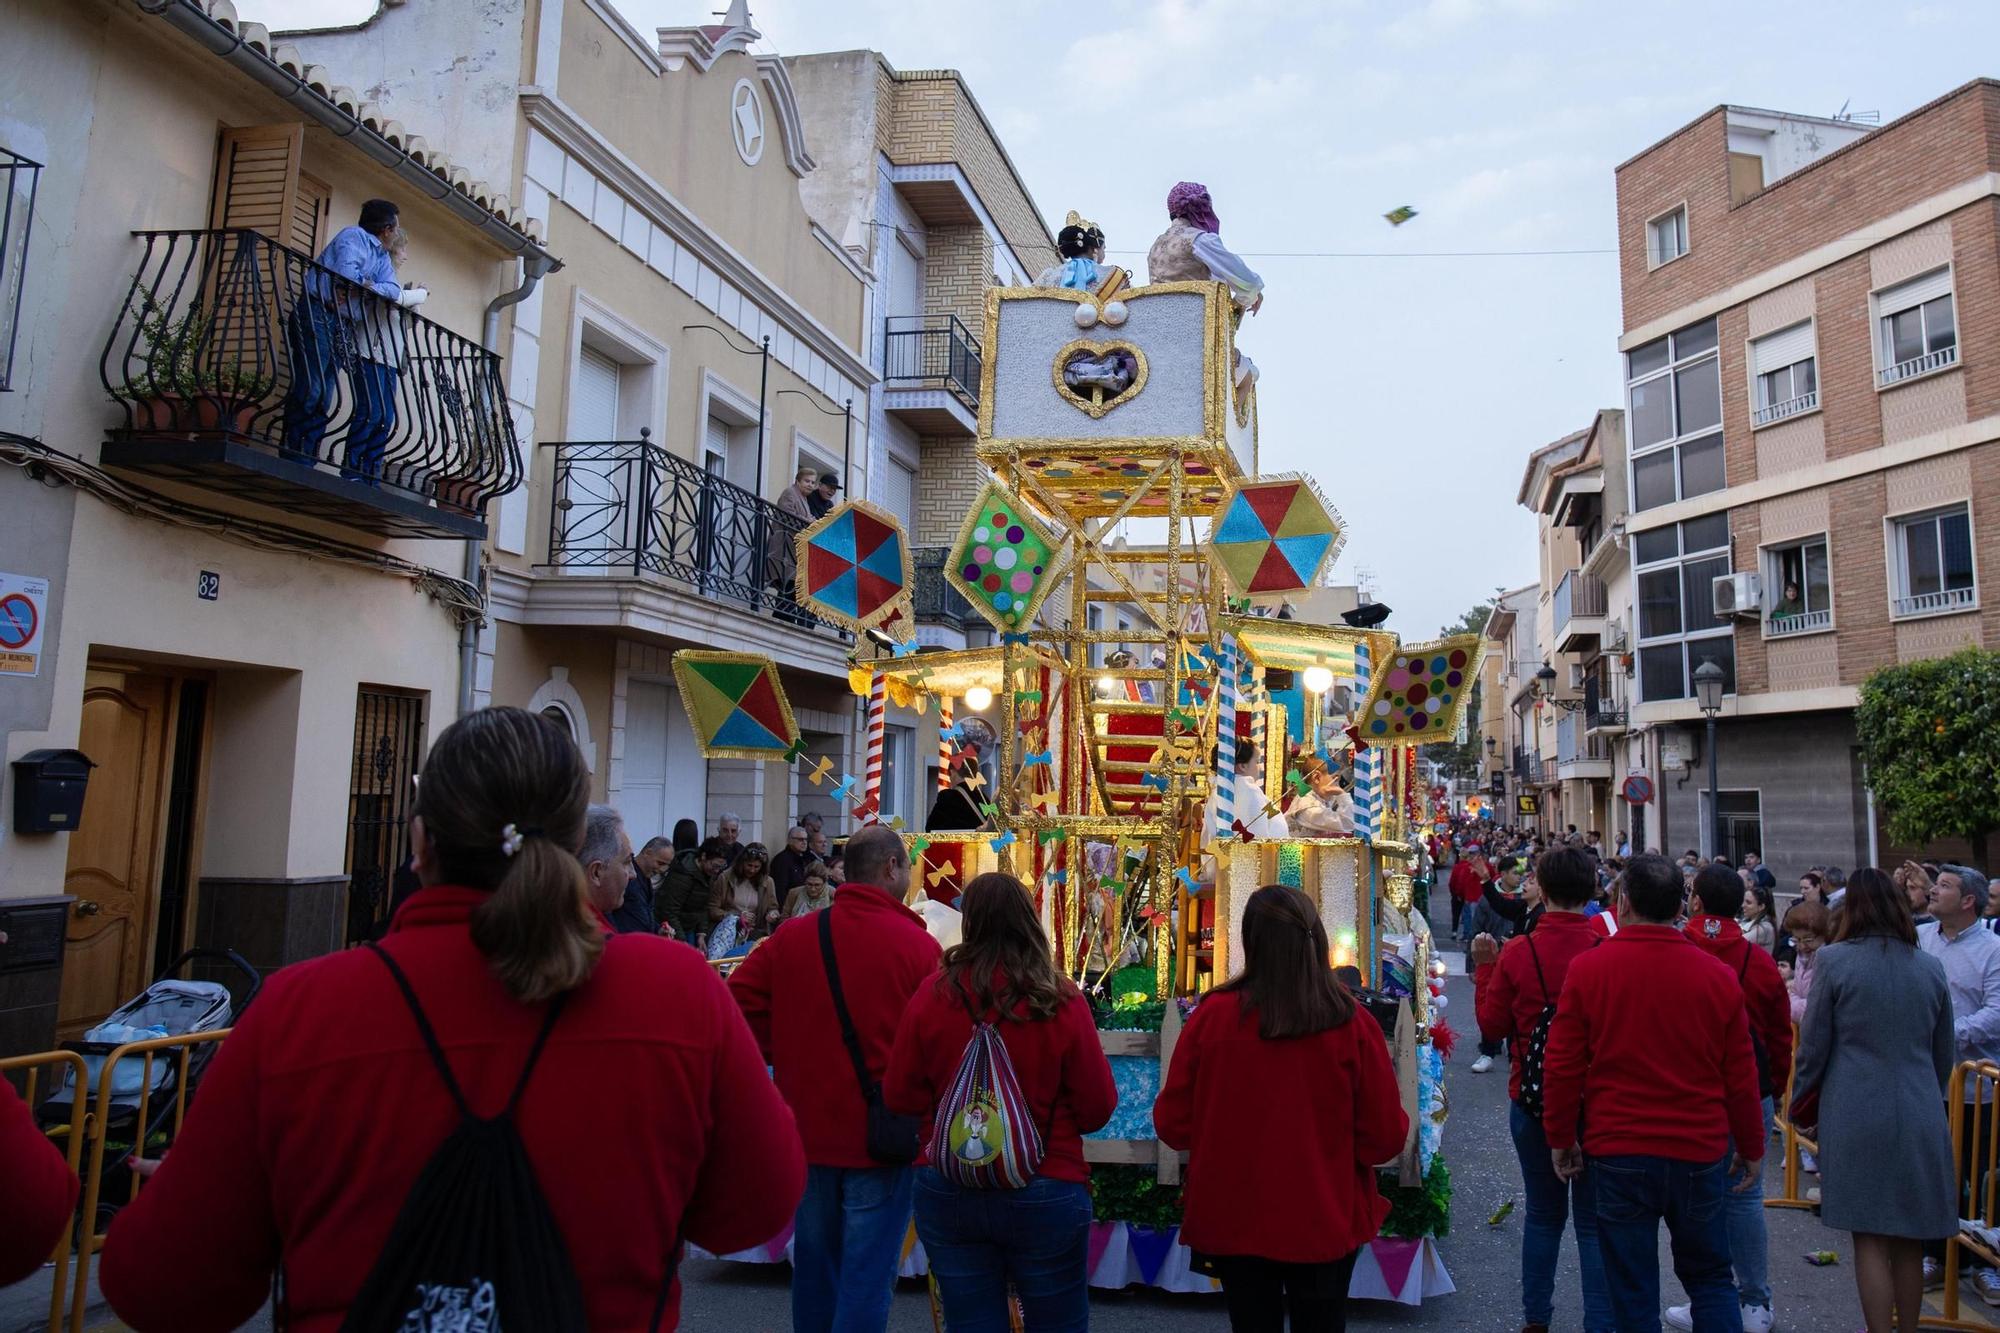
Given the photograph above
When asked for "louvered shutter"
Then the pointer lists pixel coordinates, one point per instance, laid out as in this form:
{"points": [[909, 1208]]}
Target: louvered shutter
{"points": [[257, 180], [595, 414], [1914, 292], [1775, 351]]}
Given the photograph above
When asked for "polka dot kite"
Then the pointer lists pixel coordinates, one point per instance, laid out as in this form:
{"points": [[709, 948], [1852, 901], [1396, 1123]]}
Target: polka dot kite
{"points": [[1422, 692], [1004, 561]]}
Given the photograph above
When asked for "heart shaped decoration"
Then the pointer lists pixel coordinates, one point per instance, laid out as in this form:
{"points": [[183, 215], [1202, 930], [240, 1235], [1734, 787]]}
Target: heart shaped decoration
{"points": [[1097, 376]]}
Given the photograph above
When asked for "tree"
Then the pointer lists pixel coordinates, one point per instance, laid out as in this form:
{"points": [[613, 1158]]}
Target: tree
{"points": [[1463, 760], [1930, 735]]}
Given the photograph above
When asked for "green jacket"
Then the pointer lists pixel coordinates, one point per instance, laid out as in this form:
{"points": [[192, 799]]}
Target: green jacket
{"points": [[682, 898]]}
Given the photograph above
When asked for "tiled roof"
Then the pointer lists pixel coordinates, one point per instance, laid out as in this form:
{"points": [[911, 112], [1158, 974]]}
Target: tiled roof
{"points": [[319, 80]]}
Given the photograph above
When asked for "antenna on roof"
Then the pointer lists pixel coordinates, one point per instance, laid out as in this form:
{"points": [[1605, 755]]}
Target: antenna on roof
{"points": [[1857, 117]]}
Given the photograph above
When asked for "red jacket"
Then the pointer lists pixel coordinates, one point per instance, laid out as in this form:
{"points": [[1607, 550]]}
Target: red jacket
{"points": [[1764, 992], [1651, 1050], [1467, 885], [1508, 994], [649, 1118], [1059, 1063], [884, 954], [38, 1186], [1283, 1136]]}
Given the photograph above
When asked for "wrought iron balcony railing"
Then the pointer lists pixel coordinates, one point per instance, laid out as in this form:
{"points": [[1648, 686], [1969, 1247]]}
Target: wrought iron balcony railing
{"points": [[18, 178], [245, 366], [1575, 744], [935, 599], [1601, 710], [933, 350], [630, 507]]}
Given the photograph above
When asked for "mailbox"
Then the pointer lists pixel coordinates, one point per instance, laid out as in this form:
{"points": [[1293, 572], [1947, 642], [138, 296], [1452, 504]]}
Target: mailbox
{"points": [[48, 790]]}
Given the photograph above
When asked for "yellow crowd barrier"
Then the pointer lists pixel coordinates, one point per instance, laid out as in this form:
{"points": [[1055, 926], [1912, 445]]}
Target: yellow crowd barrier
{"points": [[97, 1116], [1974, 1104], [1792, 1141]]}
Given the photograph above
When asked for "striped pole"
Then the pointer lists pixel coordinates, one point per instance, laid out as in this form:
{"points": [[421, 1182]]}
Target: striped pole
{"points": [[1225, 741], [944, 742], [1368, 763], [877, 729]]}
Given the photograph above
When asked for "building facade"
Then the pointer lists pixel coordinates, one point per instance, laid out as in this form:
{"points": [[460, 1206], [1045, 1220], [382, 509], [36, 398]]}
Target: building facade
{"points": [[1812, 352], [238, 497], [1509, 726], [705, 340]]}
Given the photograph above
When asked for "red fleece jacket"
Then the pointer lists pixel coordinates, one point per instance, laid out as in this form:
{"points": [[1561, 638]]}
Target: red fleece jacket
{"points": [[1650, 1050], [884, 954], [1764, 992], [1508, 993], [38, 1186]]}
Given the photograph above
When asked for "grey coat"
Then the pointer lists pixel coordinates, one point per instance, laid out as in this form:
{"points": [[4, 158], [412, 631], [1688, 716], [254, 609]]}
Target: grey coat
{"points": [[1877, 1043]]}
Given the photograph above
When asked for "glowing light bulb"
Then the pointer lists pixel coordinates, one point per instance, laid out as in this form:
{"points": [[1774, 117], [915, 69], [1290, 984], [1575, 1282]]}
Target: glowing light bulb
{"points": [[979, 698], [1318, 679], [1107, 685]]}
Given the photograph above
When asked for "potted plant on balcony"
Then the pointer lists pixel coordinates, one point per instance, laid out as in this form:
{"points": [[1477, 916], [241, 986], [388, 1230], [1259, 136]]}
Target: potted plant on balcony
{"points": [[181, 385]]}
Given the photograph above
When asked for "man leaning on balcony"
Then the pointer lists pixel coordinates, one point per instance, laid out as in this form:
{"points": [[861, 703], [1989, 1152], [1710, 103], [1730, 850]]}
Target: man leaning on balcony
{"points": [[325, 327]]}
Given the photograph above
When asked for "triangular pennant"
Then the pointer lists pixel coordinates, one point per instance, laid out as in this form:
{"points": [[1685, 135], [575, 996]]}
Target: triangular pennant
{"points": [[1150, 1248], [1100, 1237], [1395, 1257], [838, 538], [744, 732]]}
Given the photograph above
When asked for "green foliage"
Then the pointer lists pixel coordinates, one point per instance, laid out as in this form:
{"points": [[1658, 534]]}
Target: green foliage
{"points": [[1134, 1194], [1419, 1210], [180, 361], [1930, 735]]}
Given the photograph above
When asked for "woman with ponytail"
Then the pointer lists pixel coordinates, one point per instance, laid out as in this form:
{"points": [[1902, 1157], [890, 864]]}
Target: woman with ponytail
{"points": [[1279, 1217], [322, 1108]]}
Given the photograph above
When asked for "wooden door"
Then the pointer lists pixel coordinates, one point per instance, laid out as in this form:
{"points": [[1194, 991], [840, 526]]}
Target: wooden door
{"points": [[114, 854]]}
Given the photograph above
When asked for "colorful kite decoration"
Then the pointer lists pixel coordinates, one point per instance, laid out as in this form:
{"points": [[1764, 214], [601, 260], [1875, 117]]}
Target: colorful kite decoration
{"points": [[1399, 215], [736, 705], [1275, 534], [1421, 690], [1004, 562], [854, 566]]}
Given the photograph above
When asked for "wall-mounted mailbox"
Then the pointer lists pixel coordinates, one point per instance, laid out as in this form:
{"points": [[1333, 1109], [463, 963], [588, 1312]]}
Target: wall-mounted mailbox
{"points": [[48, 790]]}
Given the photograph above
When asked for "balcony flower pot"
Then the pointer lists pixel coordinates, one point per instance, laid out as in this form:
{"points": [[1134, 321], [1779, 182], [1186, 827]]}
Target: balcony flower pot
{"points": [[171, 414], [181, 388], [459, 494]]}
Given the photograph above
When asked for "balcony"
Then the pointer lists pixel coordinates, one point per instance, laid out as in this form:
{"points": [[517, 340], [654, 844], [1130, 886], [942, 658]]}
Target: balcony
{"points": [[936, 604], [1528, 767], [1579, 612], [1579, 754], [1917, 366], [18, 179], [1803, 622], [1947, 602], [1791, 407], [629, 508], [1603, 713], [930, 374], [246, 369]]}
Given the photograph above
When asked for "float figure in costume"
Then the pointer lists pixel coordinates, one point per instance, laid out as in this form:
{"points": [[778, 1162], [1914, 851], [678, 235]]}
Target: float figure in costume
{"points": [[1081, 245], [1191, 250]]}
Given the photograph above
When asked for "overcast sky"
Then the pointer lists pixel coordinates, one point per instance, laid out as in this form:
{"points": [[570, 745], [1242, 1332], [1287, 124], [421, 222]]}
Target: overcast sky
{"points": [[1410, 378]]}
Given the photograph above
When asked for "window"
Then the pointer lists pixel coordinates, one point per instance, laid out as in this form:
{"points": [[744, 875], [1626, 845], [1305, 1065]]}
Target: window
{"points": [[1798, 591], [1786, 374], [1667, 237], [1675, 417], [899, 774], [1678, 627], [1742, 824], [1918, 328], [1933, 563], [18, 178]]}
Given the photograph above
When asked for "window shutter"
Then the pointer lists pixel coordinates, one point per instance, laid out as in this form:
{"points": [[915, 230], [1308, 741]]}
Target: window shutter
{"points": [[1777, 350], [309, 214], [595, 415], [899, 492], [717, 441], [257, 180], [1914, 292]]}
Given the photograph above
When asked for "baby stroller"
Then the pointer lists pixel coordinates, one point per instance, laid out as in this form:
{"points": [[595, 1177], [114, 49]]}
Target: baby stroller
{"points": [[168, 1008]]}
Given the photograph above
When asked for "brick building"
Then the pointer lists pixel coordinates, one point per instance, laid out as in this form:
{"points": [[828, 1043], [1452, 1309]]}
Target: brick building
{"points": [[1812, 355]]}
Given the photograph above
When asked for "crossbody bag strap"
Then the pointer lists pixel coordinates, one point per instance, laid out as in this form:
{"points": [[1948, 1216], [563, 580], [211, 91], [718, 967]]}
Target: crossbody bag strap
{"points": [[1536, 959], [847, 1033], [436, 1048]]}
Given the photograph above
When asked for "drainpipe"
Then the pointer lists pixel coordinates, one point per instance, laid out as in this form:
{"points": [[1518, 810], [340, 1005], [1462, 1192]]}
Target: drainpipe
{"points": [[534, 267], [1874, 837]]}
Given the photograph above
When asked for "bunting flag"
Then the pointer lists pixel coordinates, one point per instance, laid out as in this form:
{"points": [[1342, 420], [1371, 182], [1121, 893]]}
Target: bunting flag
{"points": [[1368, 762], [854, 566], [735, 704]]}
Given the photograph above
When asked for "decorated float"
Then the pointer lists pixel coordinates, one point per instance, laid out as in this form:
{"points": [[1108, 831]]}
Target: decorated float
{"points": [[1158, 727]]}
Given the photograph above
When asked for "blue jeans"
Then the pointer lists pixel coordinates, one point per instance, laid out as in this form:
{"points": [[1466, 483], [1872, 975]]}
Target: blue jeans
{"points": [[846, 1244], [313, 335], [1634, 1195], [1749, 1243], [979, 1241], [374, 419], [1550, 1204]]}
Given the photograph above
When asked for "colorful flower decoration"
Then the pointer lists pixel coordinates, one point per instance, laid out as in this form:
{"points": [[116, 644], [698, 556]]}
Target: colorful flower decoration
{"points": [[736, 705], [1275, 534], [1420, 691], [854, 566], [1004, 562]]}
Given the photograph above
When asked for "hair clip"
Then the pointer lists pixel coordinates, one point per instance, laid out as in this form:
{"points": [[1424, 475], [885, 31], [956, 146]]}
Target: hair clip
{"points": [[511, 838]]}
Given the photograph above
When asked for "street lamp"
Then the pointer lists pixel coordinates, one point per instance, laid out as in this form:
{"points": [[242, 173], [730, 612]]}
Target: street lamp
{"points": [[1708, 679]]}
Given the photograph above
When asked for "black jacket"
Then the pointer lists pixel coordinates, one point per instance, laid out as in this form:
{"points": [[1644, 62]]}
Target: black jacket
{"points": [[682, 901], [634, 916], [788, 870]]}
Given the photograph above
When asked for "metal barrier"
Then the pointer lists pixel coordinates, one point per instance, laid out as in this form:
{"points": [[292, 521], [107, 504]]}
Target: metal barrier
{"points": [[1975, 1146], [1792, 1140], [75, 1133]]}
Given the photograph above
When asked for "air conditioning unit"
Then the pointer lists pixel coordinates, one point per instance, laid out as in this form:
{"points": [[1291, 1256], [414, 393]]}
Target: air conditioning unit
{"points": [[1736, 595]]}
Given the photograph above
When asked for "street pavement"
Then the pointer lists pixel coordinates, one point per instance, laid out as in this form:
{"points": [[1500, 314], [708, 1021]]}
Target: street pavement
{"points": [[1483, 1259]]}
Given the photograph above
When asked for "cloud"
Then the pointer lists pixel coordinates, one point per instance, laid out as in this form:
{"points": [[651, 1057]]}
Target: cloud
{"points": [[1437, 20]]}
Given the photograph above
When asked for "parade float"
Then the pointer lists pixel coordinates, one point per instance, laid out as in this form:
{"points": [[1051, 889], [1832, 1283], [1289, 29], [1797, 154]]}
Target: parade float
{"points": [[1155, 732]]}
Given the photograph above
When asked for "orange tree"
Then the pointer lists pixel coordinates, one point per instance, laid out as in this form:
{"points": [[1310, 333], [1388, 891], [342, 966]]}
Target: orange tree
{"points": [[1930, 735]]}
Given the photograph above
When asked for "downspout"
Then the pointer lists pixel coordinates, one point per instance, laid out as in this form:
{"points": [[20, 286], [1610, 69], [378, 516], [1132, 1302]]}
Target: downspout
{"points": [[534, 268]]}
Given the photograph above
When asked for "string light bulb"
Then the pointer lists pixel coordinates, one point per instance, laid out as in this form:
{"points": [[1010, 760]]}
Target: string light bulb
{"points": [[979, 698], [1318, 679]]}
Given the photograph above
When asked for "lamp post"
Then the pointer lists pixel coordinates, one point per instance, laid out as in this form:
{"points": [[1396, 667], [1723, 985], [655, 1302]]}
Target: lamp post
{"points": [[1708, 679]]}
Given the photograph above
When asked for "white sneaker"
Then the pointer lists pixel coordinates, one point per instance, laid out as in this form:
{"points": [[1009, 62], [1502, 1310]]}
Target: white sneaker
{"points": [[1758, 1319], [1484, 1063], [1680, 1317], [1808, 1163], [1933, 1274], [1987, 1283]]}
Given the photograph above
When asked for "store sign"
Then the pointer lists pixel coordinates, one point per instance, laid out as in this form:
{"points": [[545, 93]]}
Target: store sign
{"points": [[1527, 804]]}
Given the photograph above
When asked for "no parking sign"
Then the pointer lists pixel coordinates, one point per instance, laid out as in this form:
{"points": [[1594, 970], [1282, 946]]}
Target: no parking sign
{"points": [[23, 608]]}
